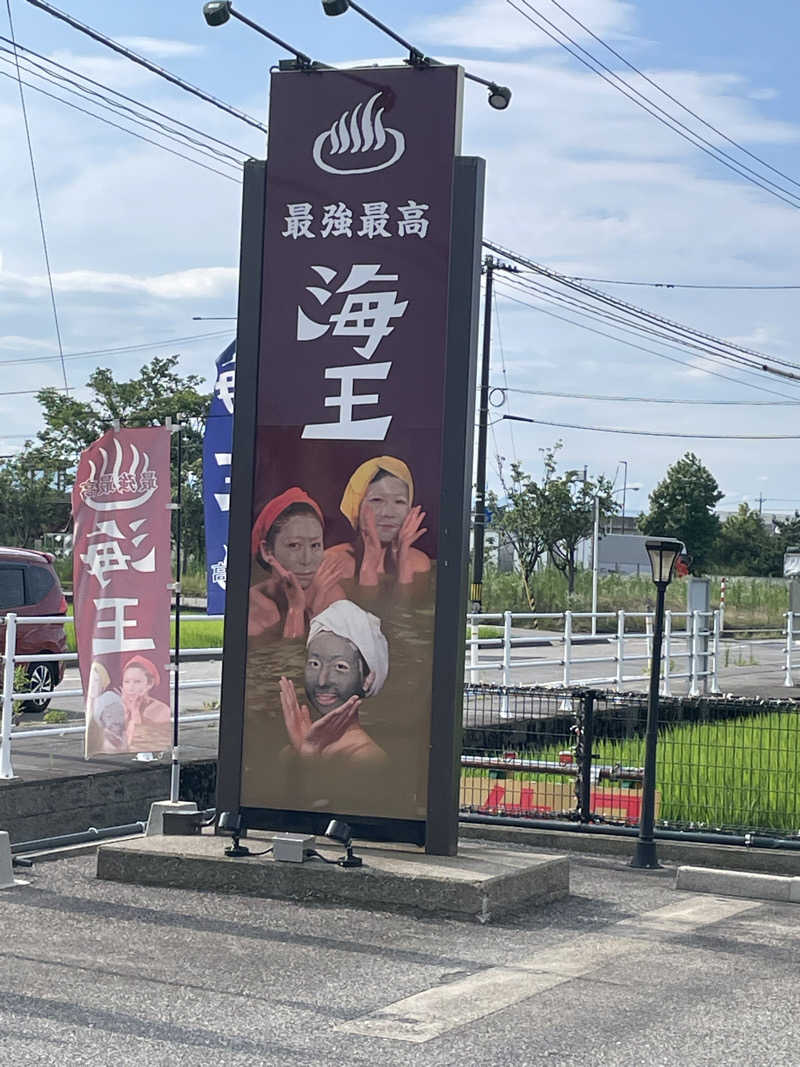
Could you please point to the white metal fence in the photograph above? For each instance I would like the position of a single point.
(11, 660)
(568, 655)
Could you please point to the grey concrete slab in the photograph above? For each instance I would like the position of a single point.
(482, 882)
(738, 884)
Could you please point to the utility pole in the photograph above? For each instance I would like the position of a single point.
(760, 502)
(479, 525)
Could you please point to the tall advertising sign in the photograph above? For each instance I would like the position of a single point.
(122, 573)
(346, 551)
(217, 443)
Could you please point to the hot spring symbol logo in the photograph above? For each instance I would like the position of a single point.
(359, 138)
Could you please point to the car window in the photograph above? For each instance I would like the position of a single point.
(40, 582)
(12, 588)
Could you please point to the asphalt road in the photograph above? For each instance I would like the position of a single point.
(626, 971)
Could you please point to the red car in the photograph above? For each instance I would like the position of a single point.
(29, 586)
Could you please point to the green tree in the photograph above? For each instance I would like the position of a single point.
(746, 546)
(518, 522)
(158, 392)
(552, 516)
(566, 512)
(34, 501)
(682, 505)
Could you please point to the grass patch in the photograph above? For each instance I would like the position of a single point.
(738, 774)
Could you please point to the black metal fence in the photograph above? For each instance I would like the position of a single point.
(724, 765)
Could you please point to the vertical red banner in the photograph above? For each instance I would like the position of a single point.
(121, 574)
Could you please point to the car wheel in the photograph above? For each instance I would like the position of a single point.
(40, 681)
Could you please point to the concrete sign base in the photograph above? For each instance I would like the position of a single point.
(481, 882)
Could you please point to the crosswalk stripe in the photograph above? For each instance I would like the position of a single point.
(436, 1011)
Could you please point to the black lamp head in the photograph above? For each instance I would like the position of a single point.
(335, 7)
(499, 97)
(230, 823)
(217, 12)
(339, 831)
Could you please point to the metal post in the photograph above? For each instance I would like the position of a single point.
(175, 769)
(667, 688)
(479, 524)
(6, 769)
(595, 544)
(715, 653)
(474, 658)
(694, 686)
(506, 662)
(584, 754)
(645, 854)
(788, 680)
(620, 647)
(624, 462)
(567, 647)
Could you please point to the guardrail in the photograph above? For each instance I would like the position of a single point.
(694, 646)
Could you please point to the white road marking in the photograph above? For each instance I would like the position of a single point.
(433, 1012)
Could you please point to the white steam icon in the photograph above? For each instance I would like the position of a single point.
(361, 133)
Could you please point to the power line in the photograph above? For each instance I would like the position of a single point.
(505, 372)
(671, 336)
(729, 349)
(652, 399)
(682, 285)
(123, 96)
(152, 125)
(122, 350)
(658, 433)
(139, 136)
(147, 64)
(38, 201)
(674, 99)
(694, 138)
(640, 348)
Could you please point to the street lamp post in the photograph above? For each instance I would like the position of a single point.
(663, 553)
(624, 463)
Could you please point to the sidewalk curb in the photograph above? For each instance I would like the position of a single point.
(738, 884)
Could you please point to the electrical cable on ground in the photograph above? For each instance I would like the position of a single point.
(38, 202)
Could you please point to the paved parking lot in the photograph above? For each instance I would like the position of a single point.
(624, 971)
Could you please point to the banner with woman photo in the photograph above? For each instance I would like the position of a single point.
(121, 578)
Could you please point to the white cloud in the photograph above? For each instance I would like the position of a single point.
(160, 48)
(205, 282)
(495, 24)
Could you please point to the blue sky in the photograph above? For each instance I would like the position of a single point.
(578, 179)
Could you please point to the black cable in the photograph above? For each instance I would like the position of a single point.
(115, 46)
(681, 285)
(669, 96)
(658, 433)
(132, 133)
(38, 202)
(633, 309)
(693, 138)
(264, 853)
(651, 399)
(640, 348)
(124, 349)
(63, 83)
(312, 853)
(672, 336)
(130, 99)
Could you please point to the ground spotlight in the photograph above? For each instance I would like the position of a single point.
(499, 97)
(217, 12)
(231, 824)
(341, 832)
(335, 7)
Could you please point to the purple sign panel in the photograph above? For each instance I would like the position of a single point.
(347, 483)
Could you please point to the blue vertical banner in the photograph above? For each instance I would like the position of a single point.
(217, 444)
